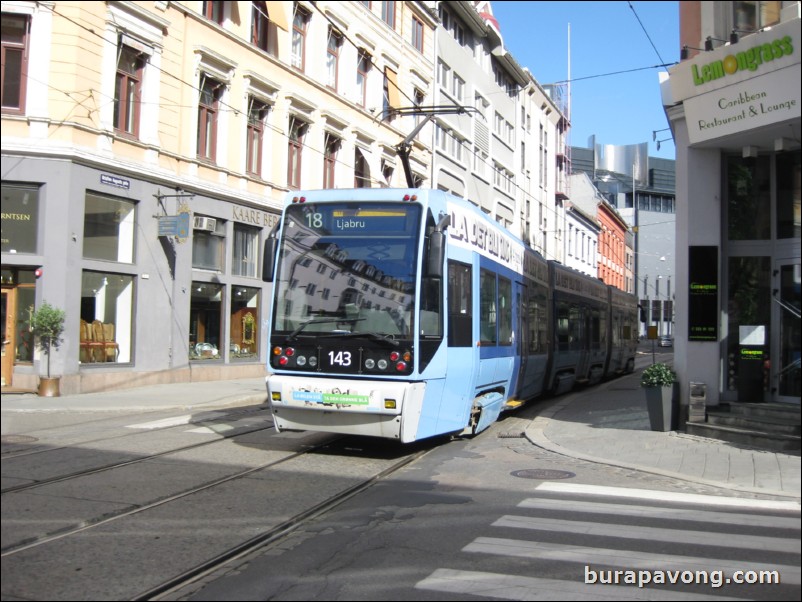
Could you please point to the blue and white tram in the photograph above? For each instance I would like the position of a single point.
(406, 314)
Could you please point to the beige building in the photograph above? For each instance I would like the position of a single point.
(146, 148)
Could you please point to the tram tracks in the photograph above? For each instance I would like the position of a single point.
(301, 477)
(111, 466)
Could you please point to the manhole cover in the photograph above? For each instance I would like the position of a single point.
(18, 439)
(539, 473)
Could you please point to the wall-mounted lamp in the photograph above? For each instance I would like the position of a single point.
(683, 53)
(750, 152)
(655, 132)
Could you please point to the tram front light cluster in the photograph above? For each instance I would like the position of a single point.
(286, 356)
(299, 199)
(397, 360)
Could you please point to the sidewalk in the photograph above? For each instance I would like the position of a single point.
(608, 425)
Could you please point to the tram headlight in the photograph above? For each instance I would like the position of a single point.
(312, 361)
(383, 364)
(300, 360)
(370, 364)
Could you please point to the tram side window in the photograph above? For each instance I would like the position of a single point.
(460, 305)
(488, 308)
(563, 330)
(537, 322)
(431, 323)
(504, 311)
(575, 326)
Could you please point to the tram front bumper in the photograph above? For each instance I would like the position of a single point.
(377, 408)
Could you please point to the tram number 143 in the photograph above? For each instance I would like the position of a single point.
(340, 358)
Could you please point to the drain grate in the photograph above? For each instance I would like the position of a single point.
(542, 474)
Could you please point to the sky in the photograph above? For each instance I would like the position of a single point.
(606, 38)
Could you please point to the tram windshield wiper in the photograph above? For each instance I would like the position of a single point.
(374, 336)
(303, 325)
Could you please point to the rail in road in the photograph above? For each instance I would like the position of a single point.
(96, 522)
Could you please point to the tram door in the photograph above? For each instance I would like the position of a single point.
(785, 352)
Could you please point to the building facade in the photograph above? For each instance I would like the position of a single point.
(146, 150)
(621, 174)
(147, 147)
(734, 109)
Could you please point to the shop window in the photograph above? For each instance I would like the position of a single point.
(20, 218)
(109, 225)
(749, 198)
(19, 296)
(205, 321)
(208, 243)
(107, 302)
(244, 326)
(789, 196)
(246, 251)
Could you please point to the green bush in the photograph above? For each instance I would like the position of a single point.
(47, 325)
(658, 375)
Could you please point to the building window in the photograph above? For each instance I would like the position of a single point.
(361, 170)
(245, 254)
(417, 34)
(388, 13)
(752, 16)
(107, 304)
(330, 160)
(749, 196)
(214, 11)
(15, 62)
(20, 218)
(208, 243)
(296, 143)
(362, 69)
(264, 33)
(205, 321)
(109, 226)
(257, 113)
(299, 25)
(128, 91)
(333, 58)
(244, 324)
(208, 108)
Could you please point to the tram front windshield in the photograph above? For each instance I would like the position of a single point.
(347, 268)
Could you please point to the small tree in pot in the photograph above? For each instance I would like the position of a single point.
(658, 381)
(47, 326)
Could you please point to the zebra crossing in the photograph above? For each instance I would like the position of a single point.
(698, 544)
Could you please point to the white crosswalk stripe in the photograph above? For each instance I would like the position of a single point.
(581, 513)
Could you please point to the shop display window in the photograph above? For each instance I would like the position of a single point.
(205, 323)
(109, 226)
(106, 329)
(244, 326)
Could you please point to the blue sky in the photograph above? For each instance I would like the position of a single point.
(606, 37)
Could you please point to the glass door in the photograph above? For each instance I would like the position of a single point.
(7, 324)
(786, 385)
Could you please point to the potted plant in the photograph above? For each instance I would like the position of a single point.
(658, 382)
(47, 326)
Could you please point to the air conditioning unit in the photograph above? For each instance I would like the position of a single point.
(205, 223)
